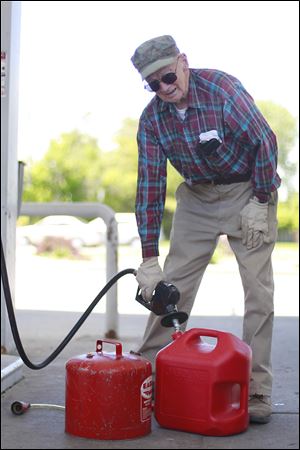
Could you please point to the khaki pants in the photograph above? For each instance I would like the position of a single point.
(203, 213)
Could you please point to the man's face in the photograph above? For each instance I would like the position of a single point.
(177, 91)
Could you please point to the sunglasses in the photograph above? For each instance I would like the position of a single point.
(168, 78)
(154, 85)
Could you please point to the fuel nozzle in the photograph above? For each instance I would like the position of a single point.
(164, 303)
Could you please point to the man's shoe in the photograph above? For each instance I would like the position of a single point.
(259, 408)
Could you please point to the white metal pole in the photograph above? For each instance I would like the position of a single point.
(86, 209)
(10, 55)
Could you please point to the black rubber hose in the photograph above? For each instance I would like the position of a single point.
(13, 323)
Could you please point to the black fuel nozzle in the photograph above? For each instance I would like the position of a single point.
(163, 303)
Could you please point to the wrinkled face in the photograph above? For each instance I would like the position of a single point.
(177, 91)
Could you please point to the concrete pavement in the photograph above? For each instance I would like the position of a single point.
(47, 311)
(42, 332)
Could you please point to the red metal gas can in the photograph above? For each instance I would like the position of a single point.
(203, 388)
(108, 394)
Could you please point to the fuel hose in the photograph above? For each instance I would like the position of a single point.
(66, 340)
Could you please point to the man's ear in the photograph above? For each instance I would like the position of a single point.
(185, 61)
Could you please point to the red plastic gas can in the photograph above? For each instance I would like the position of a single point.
(203, 388)
(108, 394)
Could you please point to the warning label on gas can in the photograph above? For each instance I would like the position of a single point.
(146, 399)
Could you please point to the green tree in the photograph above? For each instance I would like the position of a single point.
(120, 169)
(75, 169)
(284, 126)
(71, 170)
(120, 174)
(288, 217)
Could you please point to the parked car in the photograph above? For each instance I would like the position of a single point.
(127, 228)
(71, 228)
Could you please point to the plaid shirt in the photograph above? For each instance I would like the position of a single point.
(216, 101)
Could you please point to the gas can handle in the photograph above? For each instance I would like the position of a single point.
(198, 332)
(99, 346)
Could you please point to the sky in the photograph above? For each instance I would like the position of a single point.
(76, 73)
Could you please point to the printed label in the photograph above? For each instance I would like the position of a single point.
(3, 74)
(146, 399)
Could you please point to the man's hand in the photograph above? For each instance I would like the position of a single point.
(254, 223)
(148, 275)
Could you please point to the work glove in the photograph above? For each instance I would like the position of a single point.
(148, 275)
(206, 148)
(254, 224)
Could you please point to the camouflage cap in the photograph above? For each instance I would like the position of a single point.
(154, 54)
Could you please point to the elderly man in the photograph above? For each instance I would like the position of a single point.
(206, 124)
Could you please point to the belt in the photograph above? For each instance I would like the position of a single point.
(237, 178)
